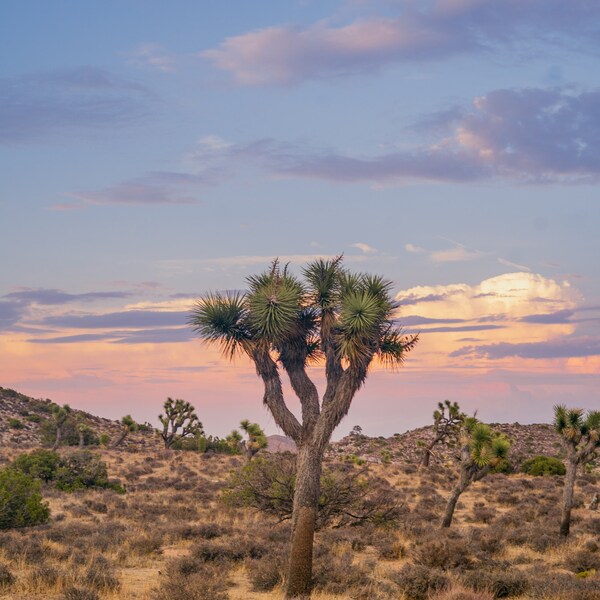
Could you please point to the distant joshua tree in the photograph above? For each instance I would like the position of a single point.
(60, 416)
(179, 414)
(580, 435)
(128, 425)
(82, 429)
(447, 421)
(481, 449)
(257, 440)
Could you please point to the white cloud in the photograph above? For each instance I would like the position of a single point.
(365, 248)
(414, 249)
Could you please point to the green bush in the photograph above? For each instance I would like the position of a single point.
(33, 418)
(15, 424)
(39, 464)
(70, 433)
(543, 465)
(81, 470)
(21, 503)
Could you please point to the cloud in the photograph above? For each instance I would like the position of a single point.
(152, 56)
(414, 249)
(411, 320)
(459, 254)
(128, 319)
(364, 248)
(37, 106)
(566, 347)
(143, 336)
(10, 313)
(438, 29)
(513, 265)
(54, 296)
(560, 316)
(528, 135)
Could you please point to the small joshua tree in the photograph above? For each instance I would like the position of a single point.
(83, 429)
(128, 425)
(257, 440)
(481, 449)
(179, 414)
(447, 420)
(580, 435)
(60, 416)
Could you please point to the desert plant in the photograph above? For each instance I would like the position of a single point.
(481, 449)
(21, 503)
(580, 434)
(257, 440)
(83, 469)
(15, 424)
(39, 464)
(60, 415)
(128, 425)
(179, 414)
(447, 420)
(282, 322)
(347, 495)
(543, 465)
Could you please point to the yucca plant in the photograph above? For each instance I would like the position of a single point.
(481, 449)
(128, 425)
(257, 440)
(179, 414)
(343, 320)
(60, 416)
(580, 434)
(447, 420)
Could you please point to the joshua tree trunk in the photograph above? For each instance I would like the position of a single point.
(451, 506)
(306, 503)
(81, 439)
(58, 439)
(565, 523)
(428, 451)
(121, 438)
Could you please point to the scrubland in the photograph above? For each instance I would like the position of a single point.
(171, 537)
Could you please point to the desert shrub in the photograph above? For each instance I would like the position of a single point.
(77, 593)
(101, 576)
(33, 418)
(388, 548)
(442, 552)
(267, 572)
(460, 593)
(15, 424)
(6, 577)
(39, 464)
(21, 503)
(543, 465)
(418, 582)
(501, 584)
(234, 549)
(582, 560)
(43, 575)
(483, 514)
(502, 466)
(189, 579)
(334, 572)
(83, 469)
(348, 495)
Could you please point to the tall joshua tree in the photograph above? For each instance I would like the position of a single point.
(179, 414)
(257, 440)
(481, 449)
(128, 425)
(282, 324)
(447, 420)
(60, 416)
(580, 435)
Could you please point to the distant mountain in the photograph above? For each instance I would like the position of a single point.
(281, 443)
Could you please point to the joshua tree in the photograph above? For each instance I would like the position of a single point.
(447, 420)
(257, 440)
(179, 415)
(60, 415)
(128, 426)
(481, 449)
(82, 429)
(580, 435)
(281, 323)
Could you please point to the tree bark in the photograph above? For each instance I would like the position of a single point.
(58, 439)
(81, 439)
(121, 438)
(451, 506)
(304, 517)
(565, 522)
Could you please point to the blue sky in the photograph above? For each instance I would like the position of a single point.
(151, 152)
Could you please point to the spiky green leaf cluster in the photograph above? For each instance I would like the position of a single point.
(354, 311)
(575, 426)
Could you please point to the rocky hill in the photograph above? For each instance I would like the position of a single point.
(24, 423)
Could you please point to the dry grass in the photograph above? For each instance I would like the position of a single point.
(170, 537)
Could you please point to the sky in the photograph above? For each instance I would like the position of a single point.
(151, 152)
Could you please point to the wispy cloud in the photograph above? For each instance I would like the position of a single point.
(151, 56)
(414, 249)
(513, 265)
(364, 248)
(54, 296)
(80, 99)
(285, 55)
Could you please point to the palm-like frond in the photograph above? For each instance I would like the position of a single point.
(223, 319)
(323, 281)
(393, 346)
